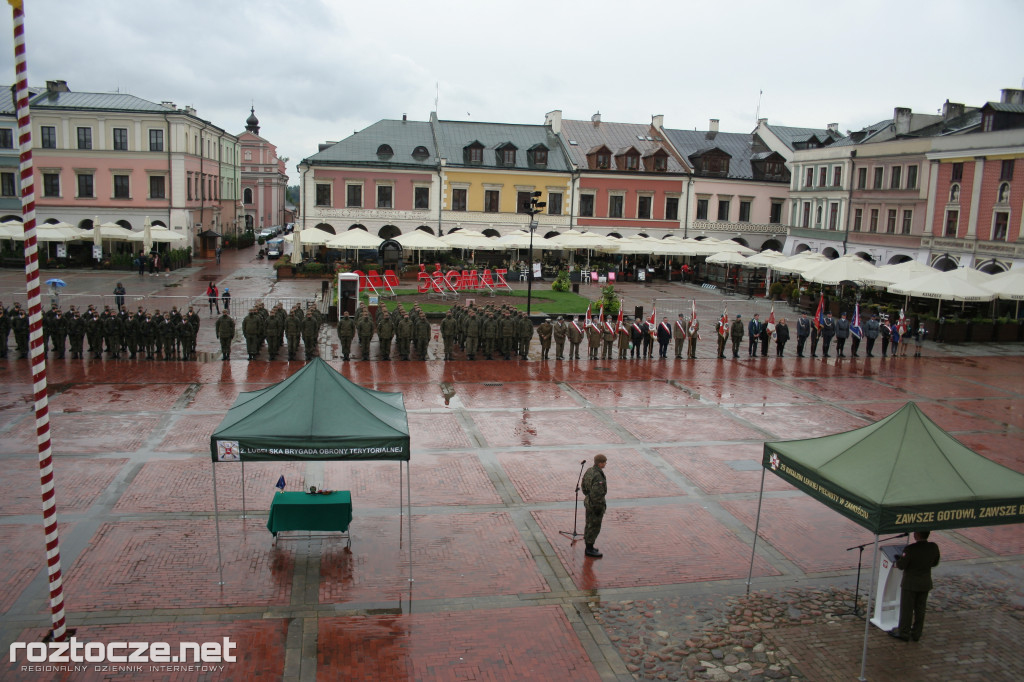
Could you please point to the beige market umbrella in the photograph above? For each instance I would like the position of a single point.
(353, 239)
(765, 259)
(418, 240)
(1007, 285)
(470, 239)
(520, 239)
(962, 284)
(899, 273)
(313, 236)
(727, 258)
(800, 263)
(849, 268)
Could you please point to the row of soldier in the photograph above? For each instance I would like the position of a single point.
(274, 328)
(117, 333)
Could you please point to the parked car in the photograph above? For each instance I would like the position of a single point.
(275, 247)
(267, 233)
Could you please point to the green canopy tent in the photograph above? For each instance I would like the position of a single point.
(902, 473)
(315, 414)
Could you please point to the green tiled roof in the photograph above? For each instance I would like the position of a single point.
(454, 136)
(404, 137)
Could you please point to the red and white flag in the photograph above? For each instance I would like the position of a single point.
(587, 320)
(693, 316)
(901, 324)
(618, 320)
(771, 321)
(653, 317)
(723, 325)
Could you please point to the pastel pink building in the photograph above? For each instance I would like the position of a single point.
(264, 179)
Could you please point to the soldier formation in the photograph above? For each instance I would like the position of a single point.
(117, 332)
(296, 330)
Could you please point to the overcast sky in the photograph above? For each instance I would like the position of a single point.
(318, 70)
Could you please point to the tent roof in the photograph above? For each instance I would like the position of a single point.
(902, 473)
(315, 414)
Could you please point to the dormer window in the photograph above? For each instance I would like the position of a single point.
(660, 163)
(385, 151)
(537, 155)
(627, 158)
(604, 160)
(420, 153)
(656, 160)
(506, 154)
(599, 158)
(473, 152)
(632, 161)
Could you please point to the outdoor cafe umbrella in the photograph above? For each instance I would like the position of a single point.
(1009, 286)
(418, 241)
(470, 239)
(849, 268)
(728, 258)
(591, 241)
(313, 236)
(520, 239)
(962, 284)
(899, 272)
(157, 234)
(800, 263)
(353, 239)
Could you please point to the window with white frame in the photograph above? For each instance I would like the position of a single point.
(323, 194)
(912, 177)
(122, 187)
(952, 223)
(51, 184)
(353, 195)
(86, 185)
(385, 196)
(121, 139)
(1000, 225)
(421, 197)
(615, 205)
(554, 203)
(908, 221)
(643, 206)
(896, 177)
(858, 216)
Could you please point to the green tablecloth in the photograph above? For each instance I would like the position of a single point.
(302, 511)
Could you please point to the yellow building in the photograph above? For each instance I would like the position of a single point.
(490, 170)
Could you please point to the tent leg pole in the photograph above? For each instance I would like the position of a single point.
(408, 500)
(401, 504)
(757, 526)
(867, 612)
(216, 523)
(243, 492)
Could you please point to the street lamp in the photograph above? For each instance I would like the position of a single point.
(535, 207)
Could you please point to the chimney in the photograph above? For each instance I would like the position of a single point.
(762, 122)
(167, 104)
(713, 125)
(326, 145)
(1012, 96)
(832, 127)
(62, 86)
(596, 119)
(658, 121)
(554, 119)
(951, 110)
(404, 118)
(901, 120)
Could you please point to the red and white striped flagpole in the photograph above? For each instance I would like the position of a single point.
(35, 316)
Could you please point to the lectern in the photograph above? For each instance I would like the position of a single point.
(887, 598)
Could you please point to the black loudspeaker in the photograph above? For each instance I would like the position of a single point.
(638, 312)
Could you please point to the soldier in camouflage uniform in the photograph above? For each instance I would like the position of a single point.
(346, 332)
(421, 333)
(472, 329)
(575, 333)
(293, 330)
(595, 489)
(225, 330)
(544, 332)
(593, 340)
(623, 336)
(365, 329)
(251, 331)
(561, 330)
(404, 336)
(449, 331)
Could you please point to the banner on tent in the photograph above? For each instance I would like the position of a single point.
(235, 451)
(898, 519)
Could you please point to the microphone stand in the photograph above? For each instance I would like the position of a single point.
(860, 556)
(574, 536)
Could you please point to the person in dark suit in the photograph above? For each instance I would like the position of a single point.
(828, 331)
(916, 562)
(664, 337)
(753, 335)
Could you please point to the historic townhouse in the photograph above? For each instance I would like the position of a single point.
(10, 197)
(975, 211)
(384, 179)
(822, 183)
(264, 179)
(786, 139)
(889, 197)
(628, 179)
(490, 170)
(737, 189)
(119, 158)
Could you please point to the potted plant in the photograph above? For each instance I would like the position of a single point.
(1007, 329)
(982, 329)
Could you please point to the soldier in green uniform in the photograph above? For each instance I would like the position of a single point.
(365, 329)
(508, 334)
(560, 331)
(736, 335)
(5, 331)
(623, 336)
(293, 330)
(607, 338)
(693, 334)
(595, 489)
(58, 333)
(404, 336)
(346, 332)
(593, 340)
(525, 334)
(489, 332)
(225, 330)
(385, 333)
(575, 334)
(679, 335)
(168, 335)
(251, 331)
(310, 332)
(19, 325)
(421, 334)
(544, 333)
(449, 330)
(76, 333)
(112, 333)
(275, 328)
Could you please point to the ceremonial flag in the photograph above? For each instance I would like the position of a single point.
(819, 315)
(901, 324)
(723, 328)
(618, 321)
(770, 326)
(693, 318)
(587, 319)
(600, 315)
(652, 320)
(855, 325)
(280, 483)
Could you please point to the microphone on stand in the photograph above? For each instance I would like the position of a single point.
(583, 462)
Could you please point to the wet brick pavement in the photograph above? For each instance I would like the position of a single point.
(498, 593)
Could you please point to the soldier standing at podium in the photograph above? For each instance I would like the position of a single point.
(916, 562)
